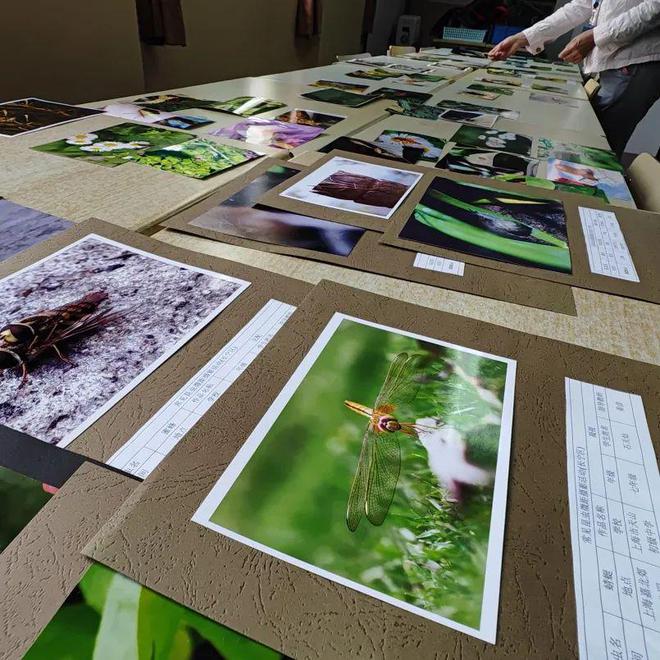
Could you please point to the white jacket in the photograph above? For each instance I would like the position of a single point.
(625, 31)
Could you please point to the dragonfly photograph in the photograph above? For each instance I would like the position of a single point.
(382, 465)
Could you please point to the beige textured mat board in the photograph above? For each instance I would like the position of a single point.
(147, 539)
(367, 254)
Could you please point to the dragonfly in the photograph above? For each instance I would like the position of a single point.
(379, 464)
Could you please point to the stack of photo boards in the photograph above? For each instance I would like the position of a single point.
(203, 458)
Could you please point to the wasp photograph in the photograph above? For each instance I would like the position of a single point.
(382, 465)
(82, 327)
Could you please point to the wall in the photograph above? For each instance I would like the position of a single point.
(69, 50)
(341, 30)
(385, 20)
(237, 38)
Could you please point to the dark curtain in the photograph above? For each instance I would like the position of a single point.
(161, 22)
(308, 18)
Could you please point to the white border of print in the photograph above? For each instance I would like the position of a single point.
(492, 572)
(72, 435)
(59, 123)
(324, 171)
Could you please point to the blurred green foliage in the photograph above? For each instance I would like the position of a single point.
(20, 500)
(108, 617)
(292, 494)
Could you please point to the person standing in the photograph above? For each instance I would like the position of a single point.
(621, 44)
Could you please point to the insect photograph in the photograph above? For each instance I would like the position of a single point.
(380, 468)
(82, 327)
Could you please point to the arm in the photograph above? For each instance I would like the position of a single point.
(533, 38)
(628, 26)
(564, 19)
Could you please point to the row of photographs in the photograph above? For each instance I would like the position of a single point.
(328, 209)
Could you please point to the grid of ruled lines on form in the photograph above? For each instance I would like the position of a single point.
(606, 246)
(614, 491)
(147, 448)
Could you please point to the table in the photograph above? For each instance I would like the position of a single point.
(138, 198)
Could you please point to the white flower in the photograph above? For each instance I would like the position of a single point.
(135, 145)
(82, 138)
(103, 146)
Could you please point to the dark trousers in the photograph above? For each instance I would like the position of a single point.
(624, 98)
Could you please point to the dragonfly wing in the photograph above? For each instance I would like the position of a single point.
(384, 468)
(399, 383)
(357, 496)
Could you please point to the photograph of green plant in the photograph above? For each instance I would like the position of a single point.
(21, 498)
(114, 145)
(538, 182)
(576, 153)
(379, 472)
(491, 223)
(109, 616)
(247, 106)
(197, 158)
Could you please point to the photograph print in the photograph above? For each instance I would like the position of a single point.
(473, 107)
(107, 615)
(486, 96)
(611, 183)
(269, 133)
(356, 186)
(114, 145)
(355, 88)
(355, 145)
(31, 114)
(487, 163)
(246, 106)
(310, 118)
(491, 223)
(420, 147)
(22, 227)
(555, 100)
(173, 102)
(240, 216)
(470, 136)
(398, 490)
(198, 159)
(21, 498)
(85, 325)
(575, 153)
(340, 97)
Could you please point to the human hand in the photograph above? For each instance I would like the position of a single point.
(577, 49)
(508, 47)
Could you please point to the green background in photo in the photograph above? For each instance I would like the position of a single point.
(109, 616)
(21, 498)
(292, 494)
(126, 133)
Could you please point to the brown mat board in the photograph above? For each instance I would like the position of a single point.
(372, 256)
(282, 605)
(44, 563)
(641, 230)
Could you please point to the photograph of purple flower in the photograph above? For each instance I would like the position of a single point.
(269, 132)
